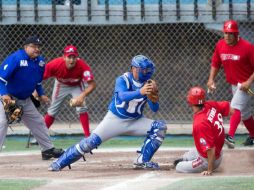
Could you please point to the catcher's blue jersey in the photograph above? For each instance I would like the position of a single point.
(20, 75)
(127, 102)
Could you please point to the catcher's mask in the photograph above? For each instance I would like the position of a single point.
(145, 67)
(196, 96)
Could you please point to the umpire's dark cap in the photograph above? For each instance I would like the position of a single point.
(33, 40)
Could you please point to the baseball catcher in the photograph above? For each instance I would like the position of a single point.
(13, 111)
(133, 90)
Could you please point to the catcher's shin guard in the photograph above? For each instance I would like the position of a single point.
(153, 141)
(75, 152)
(70, 156)
(88, 144)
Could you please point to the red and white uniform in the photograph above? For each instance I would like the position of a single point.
(71, 77)
(208, 132)
(238, 64)
(237, 60)
(68, 82)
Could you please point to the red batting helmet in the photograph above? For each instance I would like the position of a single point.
(230, 26)
(196, 96)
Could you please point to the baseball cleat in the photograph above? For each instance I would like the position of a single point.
(177, 161)
(249, 141)
(54, 167)
(229, 141)
(52, 153)
(34, 142)
(146, 165)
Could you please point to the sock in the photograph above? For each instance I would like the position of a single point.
(249, 124)
(84, 119)
(235, 119)
(49, 120)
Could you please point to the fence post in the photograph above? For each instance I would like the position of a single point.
(89, 10)
(178, 16)
(248, 9)
(214, 9)
(1, 10)
(230, 8)
(124, 10)
(107, 9)
(54, 10)
(36, 16)
(142, 4)
(71, 10)
(160, 10)
(18, 10)
(196, 9)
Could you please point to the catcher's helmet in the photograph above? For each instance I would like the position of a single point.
(145, 65)
(230, 26)
(196, 96)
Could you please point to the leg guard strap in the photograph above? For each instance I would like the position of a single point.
(88, 144)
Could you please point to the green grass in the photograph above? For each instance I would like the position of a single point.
(13, 184)
(18, 143)
(213, 183)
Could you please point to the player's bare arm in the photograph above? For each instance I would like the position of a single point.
(45, 99)
(81, 98)
(211, 159)
(245, 86)
(211, 83)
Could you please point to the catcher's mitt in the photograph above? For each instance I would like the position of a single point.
(13, 112)
(154, 95)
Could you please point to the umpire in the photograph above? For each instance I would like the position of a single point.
(20, 74)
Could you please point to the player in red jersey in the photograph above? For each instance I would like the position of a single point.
(236, 55)
(73, 77)
(208, 134)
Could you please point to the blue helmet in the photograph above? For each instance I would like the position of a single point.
(145, 65)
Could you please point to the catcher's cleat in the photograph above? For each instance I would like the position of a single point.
(146, 165)
(249, 141)
(54, 167)
(229, 141)
(51, 153)
(177, 161)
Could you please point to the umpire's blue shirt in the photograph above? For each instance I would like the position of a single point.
(20, 75)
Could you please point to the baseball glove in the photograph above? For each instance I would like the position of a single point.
(13, 112)
(154, 95)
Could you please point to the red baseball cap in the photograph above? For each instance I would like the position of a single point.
(70, 50)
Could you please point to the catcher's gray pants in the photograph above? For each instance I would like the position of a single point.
(60, 92)
(194, 163)
(242, 101)
(112, 126)
(32, 119)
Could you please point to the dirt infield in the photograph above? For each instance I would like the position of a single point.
(112, 169)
